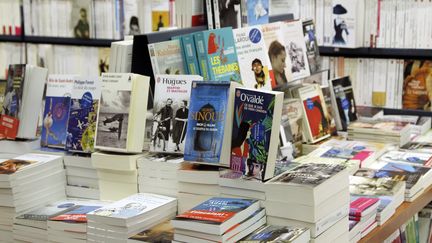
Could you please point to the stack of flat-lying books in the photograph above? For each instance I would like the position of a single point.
(363, 212)
(81, 176)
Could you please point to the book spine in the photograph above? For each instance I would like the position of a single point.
(201, 53)
(210, 21)
(216, 14)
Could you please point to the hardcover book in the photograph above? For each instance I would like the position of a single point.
(316, 120)
(207, 121)
(343, 101)
(310, 174)
(170, 112)
(255, 67)
(166, 57)
(57, 109)
(83, 115)
(296, 49)
(255, 133)
(273, 233)
(120, 121)
(312, 51)
(218, 50)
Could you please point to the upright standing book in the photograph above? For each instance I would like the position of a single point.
(254, 12)
(342, 95)
(312, 50)
(296, 49)
(56, 112)
(83, 114)
(255, 133)
(208, 136)
(166, 57)
(292, 125)
(121, 122)
(255, 67)
(170, 112)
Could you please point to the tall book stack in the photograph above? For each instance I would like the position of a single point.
(363, 212)
(196, 183)
(32, 226)
(28, 182)
(390, 192)
(219, 220)
(81, 177)
(380, 131)
(117, 174)
(158, 174)
(71, 225)
(320, 196)
(120, 220)
(162, 232)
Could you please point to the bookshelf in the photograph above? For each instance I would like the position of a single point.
(57, 40)
(376, 52)
(10, 38)
(402, 215)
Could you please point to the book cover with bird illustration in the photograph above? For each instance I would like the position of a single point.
(255, 132)
(56, 112)
(83, 115)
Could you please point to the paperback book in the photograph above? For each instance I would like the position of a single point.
(255, 67)
(312, 51)
(81, 19)
(255, 132)
(254, 12)
(13, 167)
(374, 186)
(170, 112)
(411, 157)
(273, 233)
(415, 89)
(83, 115)
(161, 233)
(3, 84)
(166, 57)
(343, 101)
(77, 214)
(57, 109)
(292, 125)
(295, 47)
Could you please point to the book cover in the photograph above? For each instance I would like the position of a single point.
(309, 174)
(170, 112)
(344, 101)
(412, 157)
(255, 67)
(57, 109)
(77, 215)
(410, 178)
(273, 233)
(134, 205)
(315, 112)
(48, 211)
(166, 57)
(296, 49)
(346, 23)
(24, 162)
(216, 210)
(190, 52)
(207, 116)
(161, 233)
(160, 14)
(81, 19)
(274, 39)
(358, 205)
(114, 110)
(221, 54)
(415, 94)
(254, 140)
(374, 186)
(312, 51)
(104, 59)
(83, 115)
(14, 90)
(292, 124)
(227, 13)
(355, 153)
(3, 84)
(418, 146)
(257, 12)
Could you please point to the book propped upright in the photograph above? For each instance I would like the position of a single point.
(170, 112)
(255, 132)
(121, 122)
(342, 95)
(83, 114)
(57, 109)
(23, 96)
(166, 57)
(208, 137)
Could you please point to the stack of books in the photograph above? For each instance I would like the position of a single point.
(219, 220)
(71, 225)
(273, 233)
(390, 192)
(362, 217)
(13, 148)
(380, 131)
(117, 174)
(319, 194)
(163, 233)
(158, 174)
(33, 227)
(120, 220)
(81, 176)
(28, 182)
(235, 184)
(197, 183)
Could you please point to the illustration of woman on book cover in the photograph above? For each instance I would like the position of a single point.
(339, 24)
(277, 55)
(12, 165)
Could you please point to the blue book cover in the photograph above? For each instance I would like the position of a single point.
(257, 12)
(254, 140)
(217, 210)
(83, 115)
(56, 112)
(206, 119)
(190, 52)
(221, 54)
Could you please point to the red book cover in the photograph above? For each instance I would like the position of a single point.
(315, 116)
(8, 127)
(360, 205)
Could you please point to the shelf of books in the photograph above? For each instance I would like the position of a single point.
(68, 41)
(402, 215)
(397, 53)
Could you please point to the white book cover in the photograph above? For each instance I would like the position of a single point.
(81, 19)
(13, 167)
(255, 67)
(295, 46)
(166, 57)
(170, 112)
(346, 21)
(132, 206)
